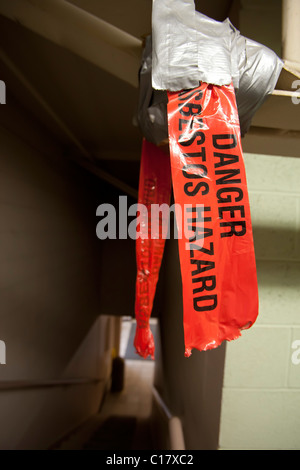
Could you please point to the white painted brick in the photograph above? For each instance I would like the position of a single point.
(260, 420)
(261, 399)
(258, 359)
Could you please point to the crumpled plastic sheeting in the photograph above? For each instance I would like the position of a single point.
(152, 107)
(259, 73)
(222, 56)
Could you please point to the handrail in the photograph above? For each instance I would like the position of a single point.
(11, 385)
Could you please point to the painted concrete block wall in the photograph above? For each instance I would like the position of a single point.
(261, 21)
(261, 390)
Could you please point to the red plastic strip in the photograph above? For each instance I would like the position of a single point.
(154, 188)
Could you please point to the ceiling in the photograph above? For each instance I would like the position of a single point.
(95, 106)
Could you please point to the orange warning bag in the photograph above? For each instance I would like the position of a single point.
(220, 295)
(154, 188)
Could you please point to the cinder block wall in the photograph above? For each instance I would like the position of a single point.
(261, 391)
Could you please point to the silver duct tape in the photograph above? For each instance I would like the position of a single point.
(214, 50)
(175, 49)
(222, 55)
(188, 47)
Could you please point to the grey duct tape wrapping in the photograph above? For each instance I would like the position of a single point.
(258, 77)
(223, 55)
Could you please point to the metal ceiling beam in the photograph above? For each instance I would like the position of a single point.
(291, 31)
(87, 36)
(38, 97)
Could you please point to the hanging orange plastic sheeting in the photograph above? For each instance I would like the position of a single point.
(154, 190)
(220, 296)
